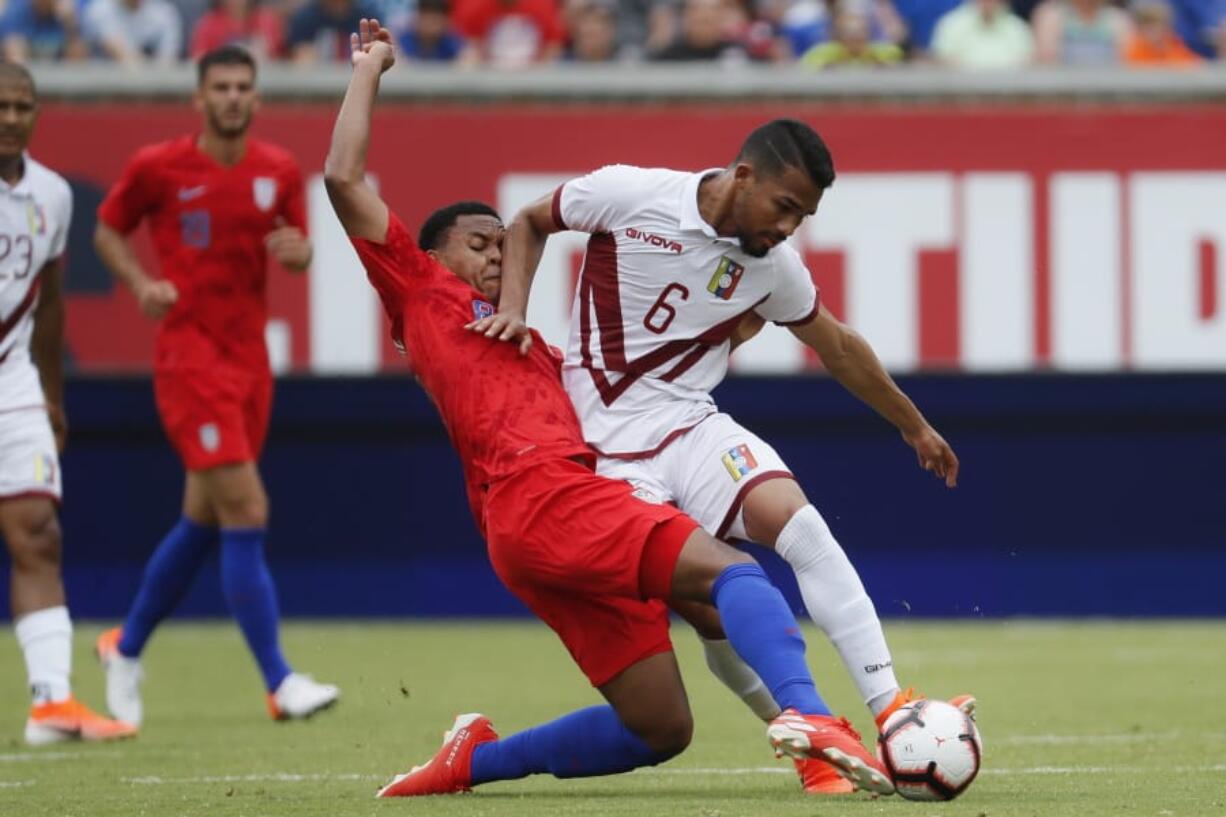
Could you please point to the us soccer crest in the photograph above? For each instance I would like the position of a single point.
(264, 189)
(727, 276)
(482, 309)
(739, 461)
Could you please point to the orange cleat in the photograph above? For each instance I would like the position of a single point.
(449, 771)
(832, 740)
(965, 703)
(819, 777)
(70, 719)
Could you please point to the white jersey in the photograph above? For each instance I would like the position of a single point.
(658, 298)
(34, 218)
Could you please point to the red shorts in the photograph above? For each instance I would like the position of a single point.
(214, 417)
(590, 559)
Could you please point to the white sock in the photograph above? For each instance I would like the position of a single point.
(835, 599)
(739, 677)
(45, 637)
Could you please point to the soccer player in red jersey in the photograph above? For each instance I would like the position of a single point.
(218, 204)
(593, 561)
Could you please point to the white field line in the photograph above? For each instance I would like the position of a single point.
(16, 784)
(22, 757)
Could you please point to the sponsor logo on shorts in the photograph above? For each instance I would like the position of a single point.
(727, 276)
(264, 190)
(44, 469)
(482, 309)
(739, 461)
(210, 437)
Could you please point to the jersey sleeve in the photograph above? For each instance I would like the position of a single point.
(395, 267)
(600, 201)
(795, 298)
(132, 197)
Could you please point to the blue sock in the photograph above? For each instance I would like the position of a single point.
(168, 575)
(765, 634)
(249, 591)
(586, 743)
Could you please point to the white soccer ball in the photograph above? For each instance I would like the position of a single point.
(931, 749)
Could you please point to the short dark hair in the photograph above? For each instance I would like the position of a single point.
(434, 231)
(17, 71)
(786, 143)
(225, 55)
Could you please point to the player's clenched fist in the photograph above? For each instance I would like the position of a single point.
(289, 245)
(157, 297)
(372, 42)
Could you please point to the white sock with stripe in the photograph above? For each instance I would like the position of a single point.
(836, 600)
(45, 637)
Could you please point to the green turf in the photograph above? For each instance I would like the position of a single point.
(1079, 719)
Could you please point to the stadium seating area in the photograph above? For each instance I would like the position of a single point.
(821, 34)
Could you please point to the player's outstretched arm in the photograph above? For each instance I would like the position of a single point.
(361, 212)
(852, 362)
(47, 345)
(521, 254)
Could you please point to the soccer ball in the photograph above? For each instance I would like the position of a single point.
(931, 749)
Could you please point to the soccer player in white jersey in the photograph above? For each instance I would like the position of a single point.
(677, 264)
(35, 209)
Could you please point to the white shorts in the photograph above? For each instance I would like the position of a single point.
(707, 472)
(29, 465)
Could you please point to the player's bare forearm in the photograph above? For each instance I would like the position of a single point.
(524, 245)
(47, 342)
(852, 362)
(359, 208)
(113, 248)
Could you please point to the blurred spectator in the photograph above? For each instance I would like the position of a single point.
(1218, 34)
(37, 30)
(758, 26)
(804, 24)
(132, 32)
(853, 43)
(983, 34)
(705, 34)
(593, 31)
(1198, 23)
(429, 36)
(921, 17)
(1154, 41)
(510, 33)
(1079, 32)
(319, 31)
(239, 22)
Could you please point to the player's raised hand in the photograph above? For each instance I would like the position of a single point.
(505, 326)
(289, 245)
(934, 454)
(156, 297)
(372, 42)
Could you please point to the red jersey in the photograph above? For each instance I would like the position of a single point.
(504, 412)
(208, 224)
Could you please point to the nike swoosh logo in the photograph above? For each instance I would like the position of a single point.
(189, 193)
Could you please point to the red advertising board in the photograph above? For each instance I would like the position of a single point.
(975, 238)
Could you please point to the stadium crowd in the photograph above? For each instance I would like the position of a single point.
(973, 34)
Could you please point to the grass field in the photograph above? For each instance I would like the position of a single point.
(1079, 719)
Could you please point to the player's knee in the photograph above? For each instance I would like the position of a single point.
(671, 734)
(35, 545)
(243, 511)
